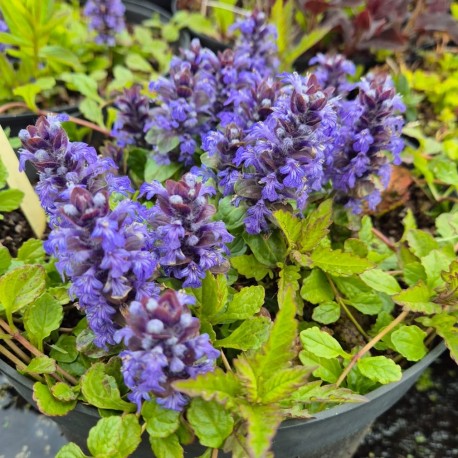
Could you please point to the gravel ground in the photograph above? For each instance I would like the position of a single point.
(423, 425)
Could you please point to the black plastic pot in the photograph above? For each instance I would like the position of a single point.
(136, 12)
(334, 433)
(165, 4)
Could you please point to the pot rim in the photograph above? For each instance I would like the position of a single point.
(412, 371)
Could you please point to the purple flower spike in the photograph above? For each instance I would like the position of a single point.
(106, 17)
(3, 28)
(187, 242)
(133, 116)
(163, 345)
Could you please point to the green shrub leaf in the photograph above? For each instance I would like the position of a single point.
(316, 288)
(380, 369)
(166, 447)
(160, 422)
(337, 263)
(409, 342)
(248, 266)
(321, 343)
(41, 365)
(380, 281)
(250, 335)
(326, 312)
(48, 404)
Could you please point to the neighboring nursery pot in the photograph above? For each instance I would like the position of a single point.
(333, 433)
(136, 12)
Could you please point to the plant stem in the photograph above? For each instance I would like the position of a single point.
(80, 122)
(214, 453)
(346, 309)
(27, 345)
(384, 239)
(225, 362)
(20, 365)
(18, 351)
(369, 345)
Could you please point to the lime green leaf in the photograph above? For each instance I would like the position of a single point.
(338, 263)
(154, 171)
(290, 225)
(231, 215)
(160, 422)
(10, 199)
(263, 422)
(64, 350)
(101, 390)
(60, 293)
(221, 386)
(92, 111)
(380, 369)
(64, 392)
(367, 303)
(381, 281)
(445, 170)
(212, 295)
(408, 341)
(244, 304)
(417, 298)
(29, 91)
(48, 404)
(166, 447)
(31, 251)
(413, 273)
(83, 84)
(21, 286)
(421, 243)
(434, 263)
(41, 318)
(59, 55)
(316, 288)
(283, 384)
(321, 343)
(250, 335)
(5, 259)
(326, 369)
(210, 421)
(326, 312)
(136, 62)
(70, 450)
(115, 437)
(248, 266)
(41, 365)
(316, 226)
(268, 249)
(248, 378)
(288, 285)
(447, 226)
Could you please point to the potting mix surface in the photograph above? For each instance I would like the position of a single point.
(422, 425)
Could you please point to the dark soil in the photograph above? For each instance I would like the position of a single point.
(14, 229)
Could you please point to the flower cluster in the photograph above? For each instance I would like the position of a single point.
(106, 18)
(203, 88)
(61, 164)
(163, 345)
(133, 117)
(104, 253)
(187, 243)
(369, 127)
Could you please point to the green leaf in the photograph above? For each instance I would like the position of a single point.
(413, 273)
(41, 318)
(160, 422)
(263, 422)
(221, 386)
(290, 225)
(288, 285)
(64, 392)
(326, 312)
(316, 226)
(268, 249)
(48, 404)
(83, 84)
(92, 110)
(41, 365)
(244, 304)
(250, 335)
(367, 303)
(321, 343)
(115, 437)
(417, 298)
(20, 287)
(10, 199)
(337, 263)
(381, 281)
(316, 288)
(210, 421)
(447, 225)
(248, 266)
(326, 369)
(59, 55)
(64, 350)
(29, 91)
(161, 173)
(231, 215)
(421, 243)
(70, 450)
(5, 259)
(101, 390)
(434, 264)
(167, 447)
(409, 342)
(380, 369)
(212, 295)
(283, 384)
(136, 62)
(445, 170)
(31, 251)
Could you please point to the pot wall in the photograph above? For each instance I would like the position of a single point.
(334, 433)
